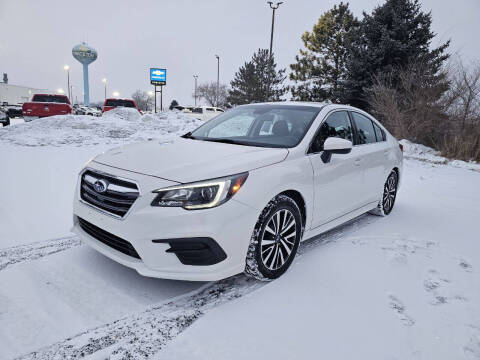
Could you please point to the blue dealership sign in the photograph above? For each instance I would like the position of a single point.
(158, 76)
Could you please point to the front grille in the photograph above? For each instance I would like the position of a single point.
(108, 239)
(115, 196)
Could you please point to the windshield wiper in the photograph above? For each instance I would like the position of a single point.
(226, 141)
(188, 135)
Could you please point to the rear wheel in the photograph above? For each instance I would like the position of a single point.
(389, 195)
(275, 239)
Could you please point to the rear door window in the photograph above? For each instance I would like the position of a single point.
(379, 133)
(365, 130)
(119, 103)
(50, 98)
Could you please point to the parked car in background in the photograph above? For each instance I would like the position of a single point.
(240, 192)
(85, 110)
(4, 118)
(14, 111)
(110, 104)
(205, 112)
(43, 105)
(185, 109)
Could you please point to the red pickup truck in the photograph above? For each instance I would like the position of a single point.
(43, 105)
(110, 104)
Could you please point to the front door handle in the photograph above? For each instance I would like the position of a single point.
(358, 161)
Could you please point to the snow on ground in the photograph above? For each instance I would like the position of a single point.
(115, 127)
(40, 162)
(402, 287)
(427, 154)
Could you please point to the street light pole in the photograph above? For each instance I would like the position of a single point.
(195, 96)
(218, 79)
(273, 7)
(105, 83)
(67, 68)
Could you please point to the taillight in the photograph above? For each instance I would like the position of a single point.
(401, 147)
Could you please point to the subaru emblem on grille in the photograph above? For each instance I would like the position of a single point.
(100, 186)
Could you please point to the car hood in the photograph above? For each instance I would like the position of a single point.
(188, 160)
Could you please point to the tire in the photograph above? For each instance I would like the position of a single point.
(279, 247)
(389, 195)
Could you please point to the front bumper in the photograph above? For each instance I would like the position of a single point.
(151, 230)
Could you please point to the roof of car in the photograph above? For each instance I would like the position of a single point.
(306, 103)
(293, 103)
(117, 99)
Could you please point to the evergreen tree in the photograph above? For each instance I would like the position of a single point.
(257, 81)
(320, 68)
(393, 37)
(173, 104)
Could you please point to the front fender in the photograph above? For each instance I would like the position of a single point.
(265, 183)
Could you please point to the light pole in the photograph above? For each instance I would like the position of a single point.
(67, 69)
(105, 83)
(150, 96)
(273, 7)
(195, 77)
(218, 79)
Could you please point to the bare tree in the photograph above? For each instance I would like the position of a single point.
(143, 100)
(463, 97)
(208, 91)
(411, 109)
(462, 140)
(444, 115)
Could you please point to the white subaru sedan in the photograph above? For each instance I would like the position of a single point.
(239, 193)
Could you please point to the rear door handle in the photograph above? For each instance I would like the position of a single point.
(358, 161)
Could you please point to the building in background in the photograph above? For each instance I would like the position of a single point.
(16, 94)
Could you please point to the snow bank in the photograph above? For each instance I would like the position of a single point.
(116, 127)
(427, 154)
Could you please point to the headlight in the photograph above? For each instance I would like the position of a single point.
(200, 195)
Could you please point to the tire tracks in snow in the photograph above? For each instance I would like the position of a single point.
(37, 250)
(144, 334)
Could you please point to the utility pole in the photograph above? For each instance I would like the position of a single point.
(273, 7)
(195, 96)
(218, 79)
(105, 83)
(67, 69)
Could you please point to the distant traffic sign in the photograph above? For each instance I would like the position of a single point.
(158, 76)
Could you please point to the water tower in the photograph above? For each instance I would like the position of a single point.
(86, 55)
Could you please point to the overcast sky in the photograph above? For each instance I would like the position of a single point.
(181, 35)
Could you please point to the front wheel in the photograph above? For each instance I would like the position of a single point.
(389, 195)
(275, 239)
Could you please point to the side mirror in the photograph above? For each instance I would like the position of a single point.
(334, 145)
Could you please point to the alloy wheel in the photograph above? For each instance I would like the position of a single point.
(389, 193)
(278, 239)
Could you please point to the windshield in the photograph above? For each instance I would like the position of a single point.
(260, 125)
(119, 103)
